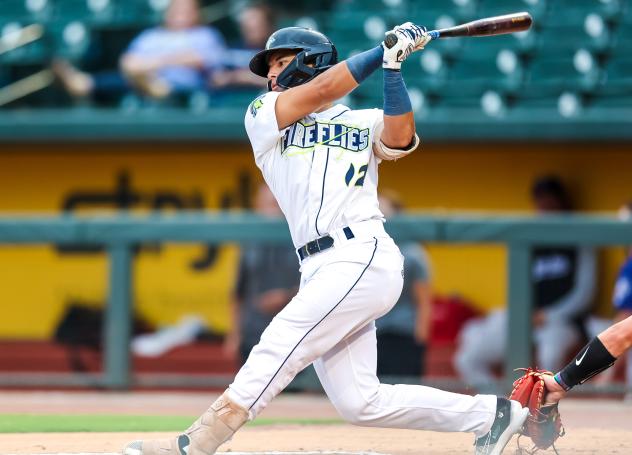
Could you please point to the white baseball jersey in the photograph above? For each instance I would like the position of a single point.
(321, 169)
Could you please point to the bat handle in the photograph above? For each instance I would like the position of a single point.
(391, 38)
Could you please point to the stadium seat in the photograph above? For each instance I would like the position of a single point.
(71, 39)
(489, 46)
(32, 53)
(550, 76)
(26, 10)
(558, 40)
(90, 11)
(576, 10)
(473, 77)
(426, 70)
(536, 8)
(617, 78)
(622, 38)
(385, 7)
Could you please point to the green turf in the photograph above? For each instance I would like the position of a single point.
(28, 423)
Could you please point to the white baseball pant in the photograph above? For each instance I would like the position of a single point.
(330, 322)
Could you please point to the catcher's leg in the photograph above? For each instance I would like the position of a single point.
(347, 373)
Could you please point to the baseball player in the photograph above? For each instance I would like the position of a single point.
(320, 160)
(602, 352)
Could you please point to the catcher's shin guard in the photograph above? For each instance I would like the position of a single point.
(216, 426)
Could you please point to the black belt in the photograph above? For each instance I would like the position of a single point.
(321, 244)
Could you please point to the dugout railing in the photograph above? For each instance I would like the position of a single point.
(120, 234)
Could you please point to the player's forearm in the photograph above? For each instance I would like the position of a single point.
(348, 74)
(338, 81)
(399, 121)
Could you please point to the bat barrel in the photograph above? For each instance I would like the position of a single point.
(497, 25)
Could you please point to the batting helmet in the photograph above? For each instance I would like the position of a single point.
(316, 54)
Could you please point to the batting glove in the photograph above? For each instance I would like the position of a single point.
(417, 32)
(409, 38)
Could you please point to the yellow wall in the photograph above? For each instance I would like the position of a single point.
(37, 282)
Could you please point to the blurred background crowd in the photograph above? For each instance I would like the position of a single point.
(564, 88)
(194, 54)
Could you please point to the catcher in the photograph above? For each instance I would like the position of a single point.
(541, 391)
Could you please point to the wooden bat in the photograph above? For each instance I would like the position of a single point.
(497, 25)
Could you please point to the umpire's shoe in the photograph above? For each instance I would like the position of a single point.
(510, 417)
(216, 426)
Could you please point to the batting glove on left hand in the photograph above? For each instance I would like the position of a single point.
(409, 38)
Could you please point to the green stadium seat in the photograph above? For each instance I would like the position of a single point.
(607, 102)
(385, 7)
(426, 70)
(576, 10)
(622, 39)
(32, 53)
(617, 78)
(473, 77)
(91, 11)
(26, 10)
(563, 40)
(489, 46)
(71, 39)
(537, 8)
(552, 76)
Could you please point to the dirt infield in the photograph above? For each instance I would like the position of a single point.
(593, 427)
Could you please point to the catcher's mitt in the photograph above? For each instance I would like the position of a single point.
(544, 424)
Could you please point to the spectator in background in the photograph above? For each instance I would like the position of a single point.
(403, 332)
(622, 295)
(256, 23)
(267, 279)
(563, 284)
(171, 59)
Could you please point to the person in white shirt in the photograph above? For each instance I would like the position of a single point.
(320, 160)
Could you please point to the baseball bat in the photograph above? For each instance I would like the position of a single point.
(497, 25)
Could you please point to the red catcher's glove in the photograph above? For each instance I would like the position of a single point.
(544, 424)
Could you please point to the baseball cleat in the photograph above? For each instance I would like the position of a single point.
(216, 426)
(510, 417)
(176, 446)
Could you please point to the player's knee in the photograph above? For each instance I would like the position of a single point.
(357, 411)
